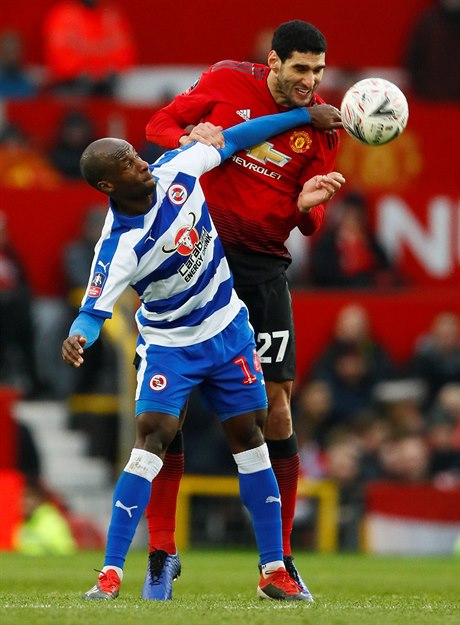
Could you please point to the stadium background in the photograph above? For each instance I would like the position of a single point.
(414, 203)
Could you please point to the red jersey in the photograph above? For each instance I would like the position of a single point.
(252, 196)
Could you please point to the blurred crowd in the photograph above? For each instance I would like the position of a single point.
(360, 418)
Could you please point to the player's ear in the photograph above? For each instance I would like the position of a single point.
(274, 61)
(105, 186)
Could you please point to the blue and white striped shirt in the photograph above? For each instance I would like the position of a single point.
(172, 255)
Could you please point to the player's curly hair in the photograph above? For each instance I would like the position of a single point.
(297, 36)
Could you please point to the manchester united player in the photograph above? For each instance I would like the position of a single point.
(253, 201)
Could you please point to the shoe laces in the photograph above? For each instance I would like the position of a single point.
(282, 579)
(157, 559)
(292, 570)
(108, 581)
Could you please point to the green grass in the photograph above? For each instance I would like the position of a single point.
(218, 588)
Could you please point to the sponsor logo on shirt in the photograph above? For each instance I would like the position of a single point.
(245, 114)
(96, 285)
(300, 141)
(187, 242)
(265, 152)
(239, 160)
(196, 258)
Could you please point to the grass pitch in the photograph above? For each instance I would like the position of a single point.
(218, 588)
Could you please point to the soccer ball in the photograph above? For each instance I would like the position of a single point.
(374, 111)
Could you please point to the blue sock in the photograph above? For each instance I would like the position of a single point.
(260, 494)
(130, 498)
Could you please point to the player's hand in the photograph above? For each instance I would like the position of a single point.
(206, 133)
(325, 117)
(72, 350)
(318, 190)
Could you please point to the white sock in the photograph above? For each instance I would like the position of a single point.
(271, 567)
(117, 570)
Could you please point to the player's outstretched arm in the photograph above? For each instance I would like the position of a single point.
(322, 116)
(256, 130)
(318, 190)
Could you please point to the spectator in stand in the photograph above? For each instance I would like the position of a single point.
(74, 133)
(351, 365)
(436, 357)
(28, 460)
(447, 406)
(400, 403)
(432, 48)
(312, 412)
(342, 465)
(87, 45)
(99, 374)
(371, 430)
(353, 330)
(45, 529)
(78, 255)
(348, 254)
(23, 166)
(18, 363)
(406, 459)
(14, 80)
(351, 385)
(445, 455)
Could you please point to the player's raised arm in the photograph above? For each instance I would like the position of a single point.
(256, 130)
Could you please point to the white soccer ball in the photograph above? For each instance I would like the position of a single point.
(374, 111)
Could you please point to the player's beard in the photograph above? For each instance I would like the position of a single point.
(289, 95)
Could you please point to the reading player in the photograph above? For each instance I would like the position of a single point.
(159, 239)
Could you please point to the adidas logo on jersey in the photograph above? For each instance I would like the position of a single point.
(245, 114)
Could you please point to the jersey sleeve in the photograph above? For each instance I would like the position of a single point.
(112, 270)
(170, 123)
(88, 326)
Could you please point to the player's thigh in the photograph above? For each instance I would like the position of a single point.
(270, 313)
(165, 379)
(235, 384)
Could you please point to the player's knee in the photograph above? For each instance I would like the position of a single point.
(155, 434)
(278, 424)
(243, 434)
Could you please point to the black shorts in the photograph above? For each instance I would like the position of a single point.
(270, 313)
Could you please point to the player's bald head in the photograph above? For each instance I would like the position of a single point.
(100, 157)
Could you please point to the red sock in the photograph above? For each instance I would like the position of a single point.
(286, 471)
(161, 509)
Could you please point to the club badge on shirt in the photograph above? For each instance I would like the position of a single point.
(96, 285)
